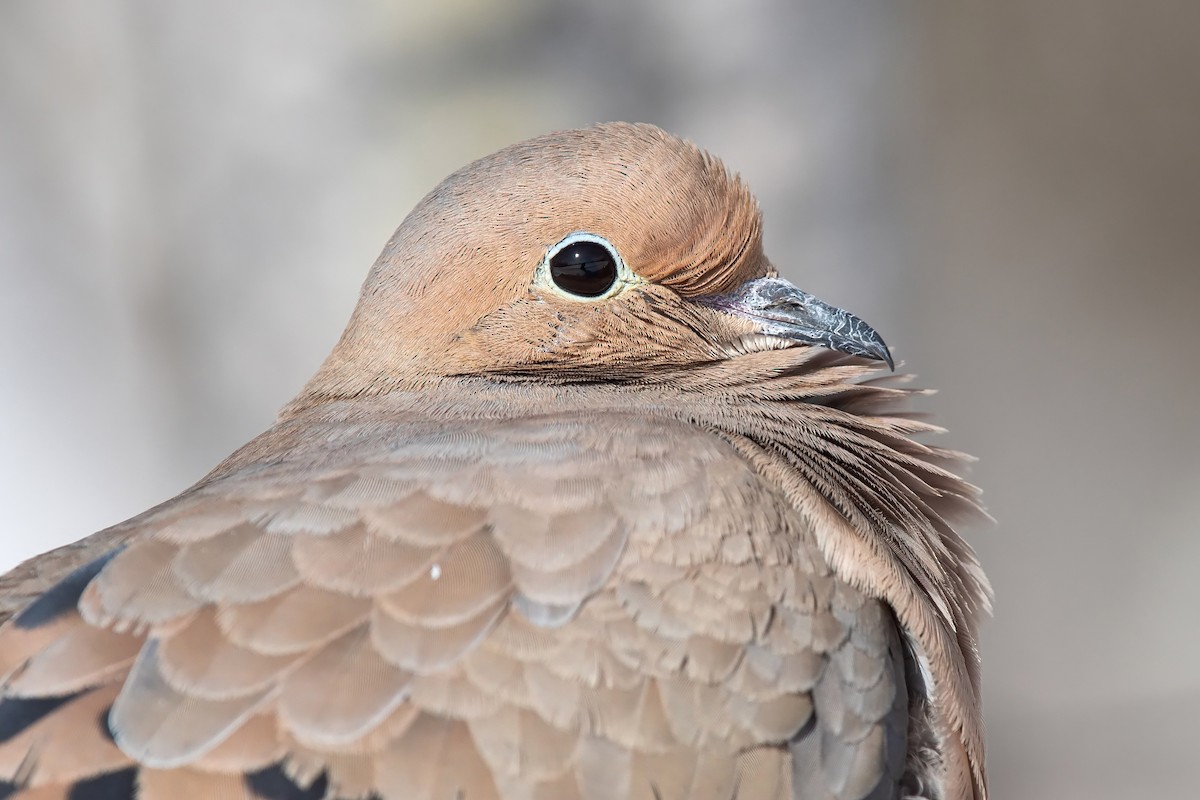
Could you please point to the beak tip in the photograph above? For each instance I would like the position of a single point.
(875, 350)
(880, 352)
(860, 338)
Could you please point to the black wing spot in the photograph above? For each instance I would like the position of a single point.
(273, 783)
(120, 785)
(62, 596)
(18, 713)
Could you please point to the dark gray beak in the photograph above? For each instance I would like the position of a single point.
(781, 309)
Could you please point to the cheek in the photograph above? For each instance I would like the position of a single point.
(550, 334)
(527, 331)
(638, 332)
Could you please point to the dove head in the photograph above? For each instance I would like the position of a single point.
(616, 252)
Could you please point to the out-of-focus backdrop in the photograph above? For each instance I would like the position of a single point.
(191, 193)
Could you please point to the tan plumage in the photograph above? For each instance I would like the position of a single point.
(515, 543)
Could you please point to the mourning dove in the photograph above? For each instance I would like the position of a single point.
(587, 503)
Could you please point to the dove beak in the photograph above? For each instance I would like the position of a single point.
(779, 308)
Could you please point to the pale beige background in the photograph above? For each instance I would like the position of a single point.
(190, 194)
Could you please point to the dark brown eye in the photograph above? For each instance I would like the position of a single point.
(584, 267)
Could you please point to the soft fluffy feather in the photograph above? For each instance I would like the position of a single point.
(507, 544)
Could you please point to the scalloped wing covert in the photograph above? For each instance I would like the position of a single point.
(555, 607)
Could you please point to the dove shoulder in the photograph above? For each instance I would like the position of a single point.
(591, 602)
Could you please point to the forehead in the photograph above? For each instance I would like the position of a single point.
(676, 216)
(673, 211)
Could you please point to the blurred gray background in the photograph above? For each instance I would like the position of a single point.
(191, 193)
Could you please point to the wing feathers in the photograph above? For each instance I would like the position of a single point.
(425, 648)
(472, 576)
(341, 693)
(357, 562)
(162, 727)
(201, 662)
(435, 759)
(82, 657)
(241, 565)
(546, 609)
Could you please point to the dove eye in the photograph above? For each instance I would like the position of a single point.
(584, 265)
